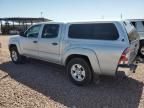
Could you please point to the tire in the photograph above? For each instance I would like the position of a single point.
(141, 49)
(15, 56)
(79, 71)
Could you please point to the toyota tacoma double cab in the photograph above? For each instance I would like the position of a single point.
(84, 48)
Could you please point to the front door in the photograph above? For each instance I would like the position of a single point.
(29, 42)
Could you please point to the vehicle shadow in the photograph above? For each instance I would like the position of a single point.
(50, 80)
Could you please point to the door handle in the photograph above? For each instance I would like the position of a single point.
(35, 41)
(54, 44)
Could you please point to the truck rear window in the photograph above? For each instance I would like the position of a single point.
(131, 31)
(100, 31)
(133, 35)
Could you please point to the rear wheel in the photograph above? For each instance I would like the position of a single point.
(141, 49)
(15, 56)
(79, 71)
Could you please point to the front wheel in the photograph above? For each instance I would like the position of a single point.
(79, 71)
(15, 56)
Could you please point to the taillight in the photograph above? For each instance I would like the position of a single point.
(124, 56)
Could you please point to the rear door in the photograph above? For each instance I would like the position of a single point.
(49, 43)
(133, 40)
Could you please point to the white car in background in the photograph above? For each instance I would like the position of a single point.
(13, 32)
(139, 25)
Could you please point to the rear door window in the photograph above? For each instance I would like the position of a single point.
(99, 31)
(50, 31)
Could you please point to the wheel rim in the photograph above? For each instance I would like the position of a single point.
(142, 50)
(14, 56)
(78, 72)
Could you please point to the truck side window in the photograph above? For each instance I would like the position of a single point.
(100, 31)
(50, 31)
(33, 32)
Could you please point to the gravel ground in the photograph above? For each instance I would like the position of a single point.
(38, 84)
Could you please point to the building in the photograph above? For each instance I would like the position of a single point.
(14, 25)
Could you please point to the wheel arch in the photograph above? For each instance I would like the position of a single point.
(15, 45)
(87, 54)
(77, 56)
(12, 46)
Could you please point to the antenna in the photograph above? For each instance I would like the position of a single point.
(121, 16)
(41, 14)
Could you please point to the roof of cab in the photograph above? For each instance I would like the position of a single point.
(50, 22)
(81, 22)
(135, 19)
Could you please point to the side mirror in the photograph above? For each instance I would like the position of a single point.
(22, 34)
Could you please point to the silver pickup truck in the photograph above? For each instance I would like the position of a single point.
(84, 48)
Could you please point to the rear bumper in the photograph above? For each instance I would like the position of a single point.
(126, 70)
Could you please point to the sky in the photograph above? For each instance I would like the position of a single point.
(73, 10)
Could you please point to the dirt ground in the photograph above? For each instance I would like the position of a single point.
(38, 84)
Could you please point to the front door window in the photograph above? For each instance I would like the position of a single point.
(33, 32)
